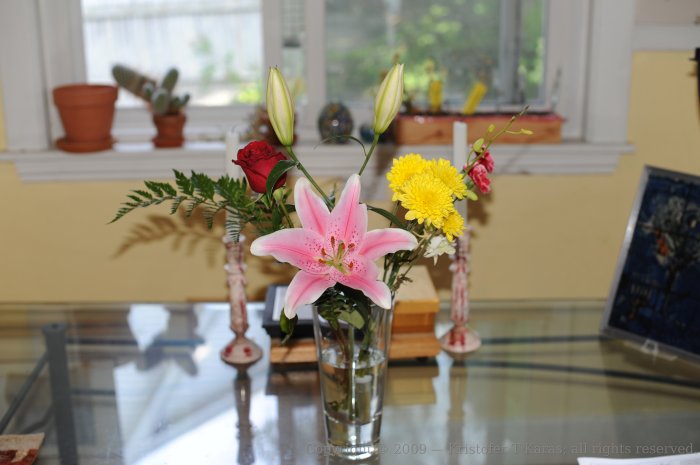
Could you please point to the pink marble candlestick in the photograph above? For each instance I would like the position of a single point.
(461, 339)
(241, 351)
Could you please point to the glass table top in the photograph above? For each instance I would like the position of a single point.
(143, 384)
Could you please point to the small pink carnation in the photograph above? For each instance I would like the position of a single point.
(479, 174)
(487, 162)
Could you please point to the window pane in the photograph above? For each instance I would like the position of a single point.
(293, 37)
(461, 41)
(215, 44)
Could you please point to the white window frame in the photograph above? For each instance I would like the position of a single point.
(594, 54)
(589, 40)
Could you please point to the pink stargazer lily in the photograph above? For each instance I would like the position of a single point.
(332, 247)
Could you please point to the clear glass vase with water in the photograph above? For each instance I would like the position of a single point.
(353, 352)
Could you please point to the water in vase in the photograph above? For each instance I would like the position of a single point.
(352, 399)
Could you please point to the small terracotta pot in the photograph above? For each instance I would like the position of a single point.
(170, 130)
(87, 113)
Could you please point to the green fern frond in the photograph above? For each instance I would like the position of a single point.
(177, 201)
(203, 185)
(167, 188)
(183, 182)
(225, 193)
(143, 194)
(209, 214)
(194, 203)
(233, 226)
(153, 187)
(122, 211)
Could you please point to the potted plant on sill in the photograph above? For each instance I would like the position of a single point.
(87, 112)
(167, 108)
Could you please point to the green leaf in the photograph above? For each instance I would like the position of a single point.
(190, 208)
(122, 211)
(168, 189)
(209, 214)
(478, 145)
(233, 225)
(358, 297)
(204, 185)
(389, 216)
(276, 218)
(183, 182)
(354, 318)
(280, 168)
(142, 193)
(154, 187)
(287, 326)
(471, 195)
(176, 204)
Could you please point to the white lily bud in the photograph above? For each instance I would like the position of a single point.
(389, 99)
(280, 108)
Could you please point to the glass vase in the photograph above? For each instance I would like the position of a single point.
(352, 361)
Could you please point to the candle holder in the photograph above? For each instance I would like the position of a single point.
(461, 339)
(241, 351)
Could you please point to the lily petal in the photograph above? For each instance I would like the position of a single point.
(311, 209)
(377, 291)
(305, 288)
(380, 242)
(298, 247)
(348, 220)
(362, 266)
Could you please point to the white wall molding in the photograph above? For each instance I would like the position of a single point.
(663, 38)
(609, 70)
(22, 76)
(566, 46)
(140, 161)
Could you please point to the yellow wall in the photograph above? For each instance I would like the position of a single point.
(543, 237)
(560, 236)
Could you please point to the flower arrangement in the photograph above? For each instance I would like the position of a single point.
(426, 189)
(329, 243)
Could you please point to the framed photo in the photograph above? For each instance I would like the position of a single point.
(655, 296)
(274, 301)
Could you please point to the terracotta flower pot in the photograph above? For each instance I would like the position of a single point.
(170, 130)
(87, 112)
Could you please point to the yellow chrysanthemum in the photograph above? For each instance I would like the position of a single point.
(427, 199)
(403, 169)
(449, 175)
(453, 225)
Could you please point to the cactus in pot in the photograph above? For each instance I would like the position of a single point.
(167, 108)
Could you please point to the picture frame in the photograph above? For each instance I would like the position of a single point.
(655, 296)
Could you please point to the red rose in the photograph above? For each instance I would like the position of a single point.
(479, 175)
(257, 160)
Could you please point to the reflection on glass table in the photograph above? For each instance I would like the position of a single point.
(143, 385)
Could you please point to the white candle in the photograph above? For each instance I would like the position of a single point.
(459, 157)
(232, 143)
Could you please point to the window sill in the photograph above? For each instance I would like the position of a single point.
(141, 161)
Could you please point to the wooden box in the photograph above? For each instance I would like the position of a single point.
(437, 129)
(417, 303)
(413, 327)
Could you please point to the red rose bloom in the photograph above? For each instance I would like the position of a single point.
(479, 175)
(257, 160)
